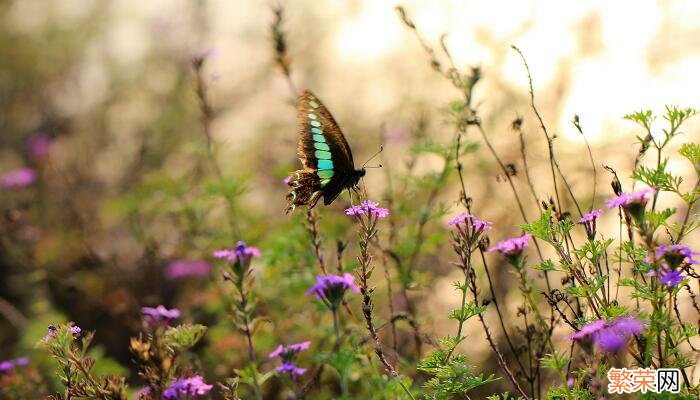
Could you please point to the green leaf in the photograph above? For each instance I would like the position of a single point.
(691, 151)
(183, 337)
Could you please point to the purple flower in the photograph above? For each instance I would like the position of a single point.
(609, 337)
(675, 254)
(38, 146)
(589, 222)
(153, 317)
(470, 220)
(290, 369)
(242, 253)
(368, 207)
(626, 200)
(627, 326)
(590, 217)
(6, 366)
(186, 268)
(287, 354)
(22, 361)
(144, 392)
(588, 330)
(186, 388)
(18, 178)
(331, 288)
(51, 333)
(469, 227)
(671, 278)
(610, 341)
(512, 247)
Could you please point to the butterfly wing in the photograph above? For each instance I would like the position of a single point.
(323, 148)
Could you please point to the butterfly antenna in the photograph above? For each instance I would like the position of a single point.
(381, 148)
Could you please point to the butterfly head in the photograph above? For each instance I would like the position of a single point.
(359, 173)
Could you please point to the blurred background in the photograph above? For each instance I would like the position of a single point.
(114, 179)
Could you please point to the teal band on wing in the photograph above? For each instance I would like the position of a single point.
(319, 138)
(315, 123)
(321, 146)
(325, 173)
(312, 115)
(325, 164)
(317, 131)
(323, 155)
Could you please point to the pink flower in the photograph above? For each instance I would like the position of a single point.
(626, 200)
(156, 316)
(590, 217)
(186, 268)
(18, 178)
(610, 337)
(368, 207)
(187, 388)
(242, 253)
(589, 222)
(38, 146)
(288, 354)
(675, 254)
(513, 246)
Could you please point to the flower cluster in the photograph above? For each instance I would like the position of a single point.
(610, 337)
(186, 388)
(7, 366)
(368, 207)
(469, 227)
(239, 257)
(633, 203)
(187, 268)
(158, 316)
(18, 178)
(513, 247)
(287, 354)
(675, 254)
(53, 331)
(331, 288)
(589, 222)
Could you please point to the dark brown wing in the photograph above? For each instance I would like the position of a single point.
(340, 150)
(325, 154)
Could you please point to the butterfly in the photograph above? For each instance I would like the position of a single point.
(325, 155)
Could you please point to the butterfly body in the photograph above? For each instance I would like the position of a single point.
(325, 155)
